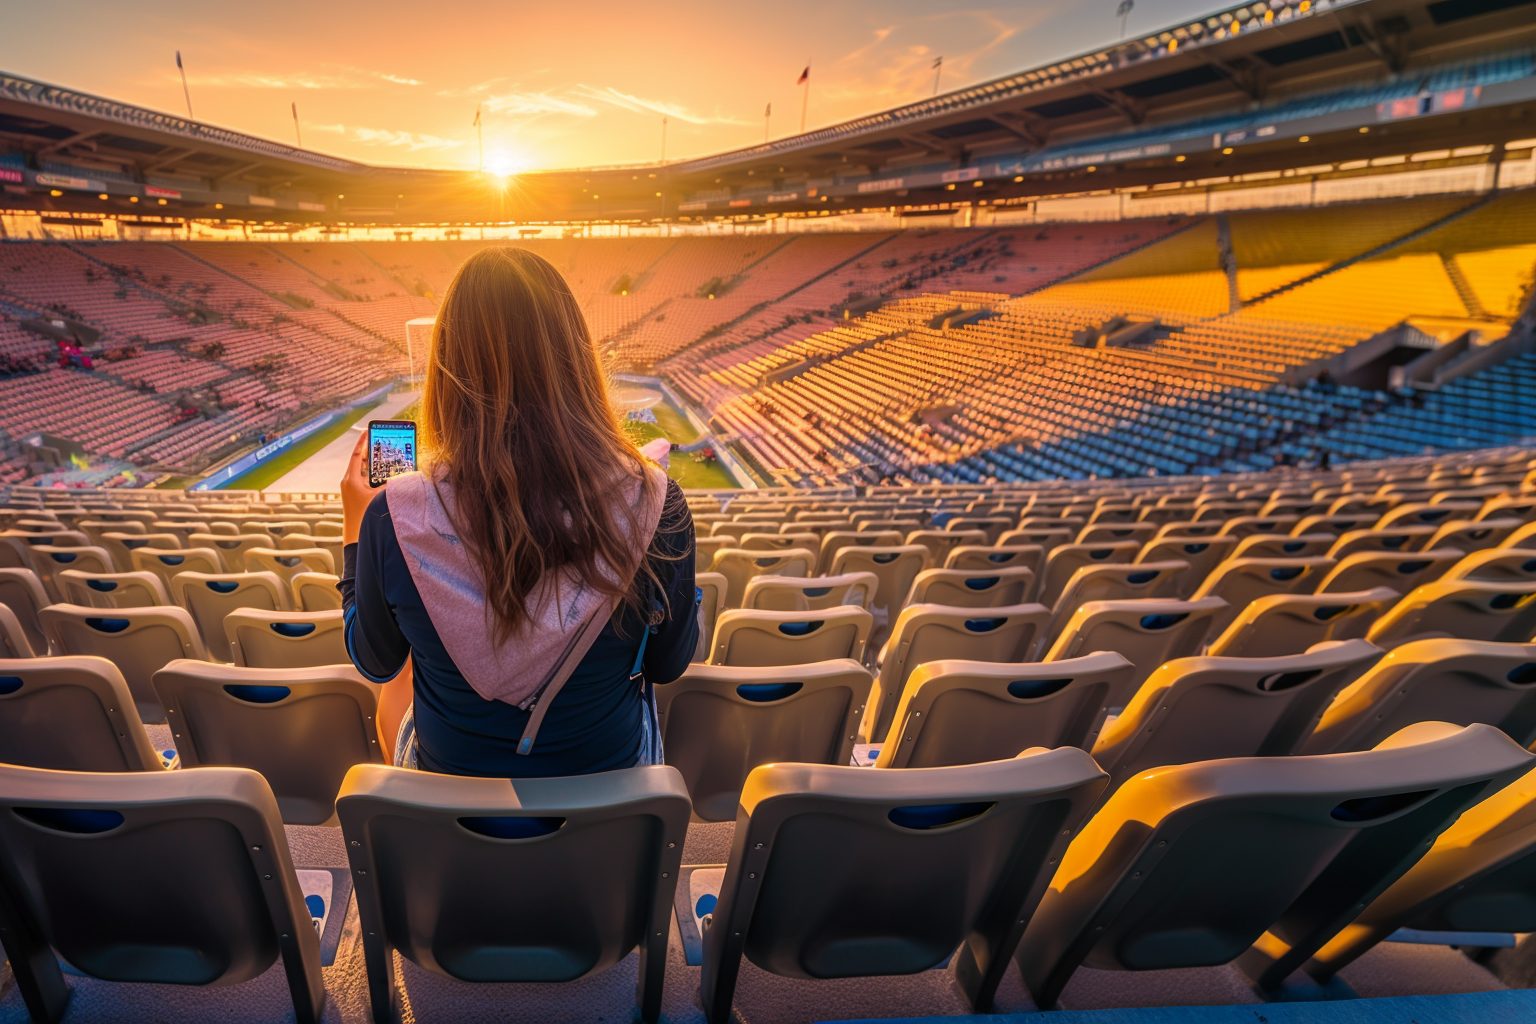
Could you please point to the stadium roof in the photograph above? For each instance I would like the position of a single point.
(1229, 94)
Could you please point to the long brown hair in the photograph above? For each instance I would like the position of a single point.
(517, 419)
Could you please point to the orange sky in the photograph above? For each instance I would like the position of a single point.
(561, 84)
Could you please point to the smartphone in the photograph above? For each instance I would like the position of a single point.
(391, 449)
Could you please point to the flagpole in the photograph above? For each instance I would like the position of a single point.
(185, 92)
(805, 97)
(297, 134)
(938, 69)
(480, 137)
(767, 122)
(663, 138)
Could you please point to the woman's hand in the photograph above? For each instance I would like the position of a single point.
(356, 492)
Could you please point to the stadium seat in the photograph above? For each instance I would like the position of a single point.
(1204, 709)
(809, 593)
(843, 872)
(1146, 631)
(1463, 609)
(939, 543)
(1241, 581)
(709, 590)
(301, 728)
(739, 566)
(931, 632)
(1281, 624)
(719, 722)
(112, 589)
(972, 588)
(121, 545)
(895, 566)
(282, 639)
(166, 563)
(231, 547)
(966, 712)
(23, 594)
(431, 856)
(71, 714)
(13, 638)
(1402, 572)
(316, 592)
(1063, 562)
(209, 597)
(1399, 539)
(1201, 554)
(1495, 565)
(1464, 682)
(749, 639)
(163, 857)
(971, 557)
(1269, 857)
(139, 641)
(49, 560)
(1115, 582)
(287, 563)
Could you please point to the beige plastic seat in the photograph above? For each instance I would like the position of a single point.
(288, 563)
(749, 638)
(719, 722)
(1202, 709)
(1464, 609)
(180, 878)
(1147, 631)
(1402, 572)
(316, 592)
(1201, 554)
(1282, 624)
(970, 557)
(1479, 876)
(709, 590)
(22, 592)
(1256, 860)
(972, 588)
(739, 565)
(1525, 537)
(1458, 681)
(231, 547)
(121, 546)
(1399, 539)
(1496, 565)
(845, 872)
(894, 565)
(13, 639)
(1249, 526)
(139, 641)
(992, 527)
(262, 639)
(1046, 538)
(432, 856)
(1473, 535)
(1125, 581)
(810, 593)
(305, 542)
(168, 562)
(112, 589)
(1241, 581)
(1109, 533)
(48, 560)
(965, 712)
(834, 541)
(1065, 560)
(1426, 513)
(803, 539)
(931, 632)
(209, 597)
(71, 714)
(704, 549)
(301, 728)
(940, 543)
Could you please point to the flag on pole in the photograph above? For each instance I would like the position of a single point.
(768, 110)
(1126, 6)
(178, 60)
(805, 76)
(938, 62)
(477, 115)
(294, 106)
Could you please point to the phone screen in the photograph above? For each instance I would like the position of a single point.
(391, 449)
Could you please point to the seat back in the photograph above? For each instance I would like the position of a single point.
(1398, 539)
(1464, 609)
(112, 589)
(1402, 572)
(1241, 581)
(810, 593)
(739, 565)
(1442, 680)
(939, 543)
(1496, 565)
(1480, 876)
(834, 541)
(48, 560)
(262, 639)
(972, 588)
(1472, 535)
(166, 563)
(316, 592)
(895, 567)
(13, 639)
(595, 858)
(71, 714)
(968, 557)
(139, 641)
(931, 632)
(1282, 624)
(231, 546)
(209, 597)
(966, 712)
(22, 592)
(1147, 631)
(1065, 560)
(842, 872)
(746, 638)
(1284, 545)
(288, 562)
(1201, 709)
(301, 728)
(179, 878)
(1120, 581)
(719, 722)
(709, 589)
(121, 546)
(1200, 553)
(1192, 865)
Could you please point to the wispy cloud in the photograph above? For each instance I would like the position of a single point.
(392, 138)
(526, 104)
(621, 100)
(341, 77)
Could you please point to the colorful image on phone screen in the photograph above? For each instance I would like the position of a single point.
(391, 449)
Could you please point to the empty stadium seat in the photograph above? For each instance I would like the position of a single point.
(748, 638)
(287, 562)
(1147, 631)
(739, 565)
(112, 589)
(1401, 572)
(166, 563)
(23, 594)
(972, 588)
(209, 597)
(264, 639)
(809, 593)
(1464, 609)
(1282, 624)
(315, 592)
(139, 641)
(71, 714)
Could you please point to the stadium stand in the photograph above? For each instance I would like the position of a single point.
(1335, 735)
